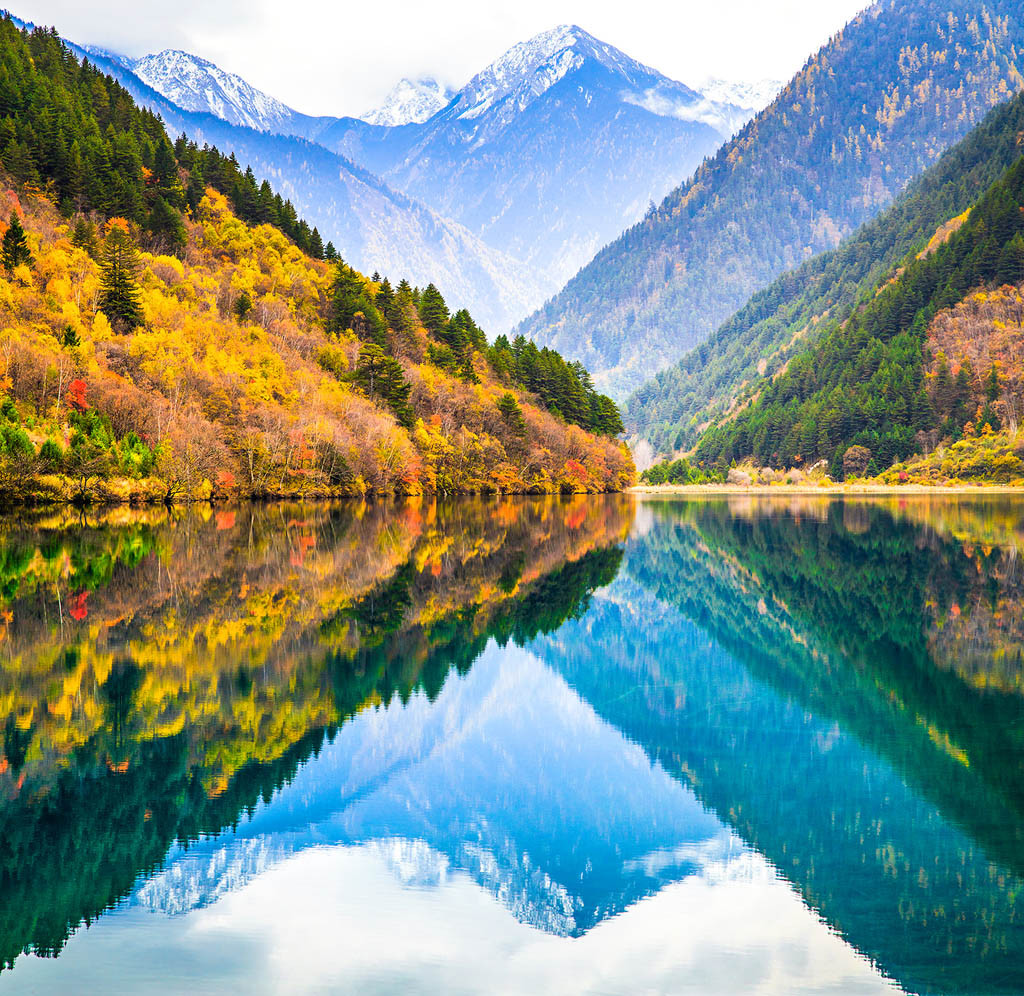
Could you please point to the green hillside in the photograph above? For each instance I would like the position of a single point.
(877, 382)
(671, 410)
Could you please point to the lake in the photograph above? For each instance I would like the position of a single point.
(580, 745)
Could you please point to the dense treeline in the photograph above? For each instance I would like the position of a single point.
(671, 410)
(900, 84)
(864, 384)
(387, 316)
(564, 388)
(77, 132)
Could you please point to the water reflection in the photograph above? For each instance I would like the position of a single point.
(793, 729)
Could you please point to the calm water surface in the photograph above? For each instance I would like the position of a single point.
(555, 746)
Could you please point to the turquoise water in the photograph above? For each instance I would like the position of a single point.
(598, 745)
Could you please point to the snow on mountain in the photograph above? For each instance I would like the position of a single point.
(507, 87)
(553, 149)
(410, 102)
(753, 96)
(198, 85)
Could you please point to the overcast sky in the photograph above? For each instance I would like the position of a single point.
(343, 57)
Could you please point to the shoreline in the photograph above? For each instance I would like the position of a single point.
(829, 490)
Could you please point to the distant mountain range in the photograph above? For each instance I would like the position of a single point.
(542, 158)
(373, 226)
(550, 151)
(882, 100)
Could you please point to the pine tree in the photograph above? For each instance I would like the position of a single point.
(385, 299)
(433, 310)
(382, 376)
(15, 251)
(512, 414)
(120, 299)
(316, 246)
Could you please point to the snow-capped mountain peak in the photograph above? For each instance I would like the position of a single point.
(195, 84)
(530, 68)
(410, 102)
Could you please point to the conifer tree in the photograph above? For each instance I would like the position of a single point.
(433, 310)
(15, 251)
(120, 299)
(316, 246)
(382, 376)
(512, 414)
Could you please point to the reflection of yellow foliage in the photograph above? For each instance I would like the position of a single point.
(229, 632)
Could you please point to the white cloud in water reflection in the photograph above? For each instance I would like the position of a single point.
(337, 920)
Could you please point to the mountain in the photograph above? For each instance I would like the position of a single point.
(410, 102)
(876, 105)
(545, 155)
(373, 226)
(935, 356)
(197, 85)
(208, 340)
(554, 148)
(708, 383)
(750, 96)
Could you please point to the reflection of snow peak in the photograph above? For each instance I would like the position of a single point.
(191, 880)
(507, 777)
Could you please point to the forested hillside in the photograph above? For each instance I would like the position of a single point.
(673, 409)
(903, 82)
(899, 376)
(155, 346)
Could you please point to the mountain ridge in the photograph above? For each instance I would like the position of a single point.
(798, 178)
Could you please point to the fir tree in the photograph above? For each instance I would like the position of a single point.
(120, 299)
(382, 376)
(433, 310)
(316, 246)
(512, 414)
(15, 251)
